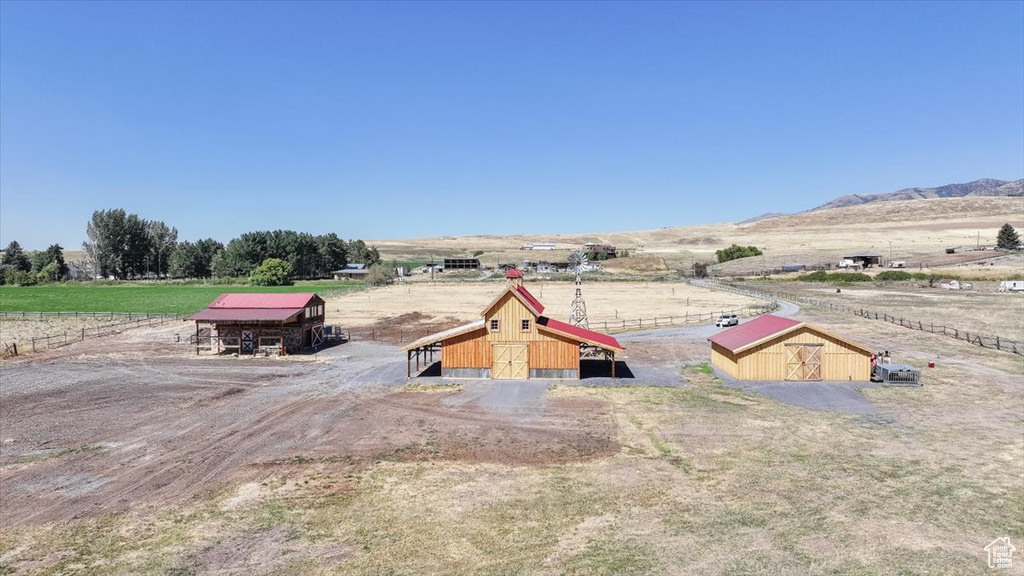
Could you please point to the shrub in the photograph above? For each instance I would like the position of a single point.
(894, 275)
(272, 272)
(822, 276)
(736, 251)
(379, 275)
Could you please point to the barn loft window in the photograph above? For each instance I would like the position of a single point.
(526, 325)
(494, 325)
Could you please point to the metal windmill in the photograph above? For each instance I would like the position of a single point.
(578, 315)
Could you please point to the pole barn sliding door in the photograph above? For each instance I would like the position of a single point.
(803, 362)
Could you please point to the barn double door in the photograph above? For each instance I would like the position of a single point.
(510, 362)
(803, 362)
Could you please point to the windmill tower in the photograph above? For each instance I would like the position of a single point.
(578, 315)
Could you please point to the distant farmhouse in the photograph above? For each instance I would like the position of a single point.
(351, 272)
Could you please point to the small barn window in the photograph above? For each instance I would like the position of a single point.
(526, 325)
(494, 325)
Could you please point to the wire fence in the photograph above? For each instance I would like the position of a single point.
(58, 340)
(7, 315)
(985, 341)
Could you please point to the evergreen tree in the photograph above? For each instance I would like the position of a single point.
(1008, 238)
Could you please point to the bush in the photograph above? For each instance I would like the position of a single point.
(736, 251)
(894, 276)
(272, 272)
(379, 275)
(822, 276)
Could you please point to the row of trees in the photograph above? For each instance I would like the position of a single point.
(126, 246)
(20, 267)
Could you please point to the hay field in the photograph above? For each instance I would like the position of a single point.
(449, 302)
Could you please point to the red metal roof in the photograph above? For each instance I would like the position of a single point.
(246, 314)
(749, 332)
(288, 300)
(581, 333)
(513, 273)
(531, 299)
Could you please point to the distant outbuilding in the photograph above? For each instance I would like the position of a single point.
(775, 348)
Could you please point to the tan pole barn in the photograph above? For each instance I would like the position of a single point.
(776, 349)
(512, 340)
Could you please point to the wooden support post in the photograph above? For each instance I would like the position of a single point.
(613, 365)
(408, 363)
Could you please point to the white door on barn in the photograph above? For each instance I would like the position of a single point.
(803, 362)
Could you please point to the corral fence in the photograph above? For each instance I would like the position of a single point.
(408, 334)
(985, 341)
(7, 315)
(71, 336)
(8, 350)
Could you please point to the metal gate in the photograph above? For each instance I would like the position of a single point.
(803, 362)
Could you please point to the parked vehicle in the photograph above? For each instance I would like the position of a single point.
(727, 320)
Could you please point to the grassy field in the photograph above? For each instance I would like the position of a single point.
(137, 297)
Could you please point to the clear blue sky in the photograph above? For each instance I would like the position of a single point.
(413, 119)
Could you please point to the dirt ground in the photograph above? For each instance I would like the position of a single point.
(133, 456)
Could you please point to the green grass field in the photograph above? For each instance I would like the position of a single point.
(137, 297)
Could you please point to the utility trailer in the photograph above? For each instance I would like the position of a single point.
(896, 375)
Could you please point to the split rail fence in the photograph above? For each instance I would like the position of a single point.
(985, 341)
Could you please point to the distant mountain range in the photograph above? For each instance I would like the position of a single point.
(983, 187)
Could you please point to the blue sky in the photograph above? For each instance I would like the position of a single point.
(383, 120)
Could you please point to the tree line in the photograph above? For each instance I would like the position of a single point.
(125, 246)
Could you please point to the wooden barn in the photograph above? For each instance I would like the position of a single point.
(774, 348)
(283, 323)
(512, 340)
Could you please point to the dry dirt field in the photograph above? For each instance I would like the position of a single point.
(132, 456)
(919, 229)
(982, 310)
(435, 306)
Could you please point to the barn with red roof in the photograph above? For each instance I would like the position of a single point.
(774, 348)
(512, 340)
(252, 323)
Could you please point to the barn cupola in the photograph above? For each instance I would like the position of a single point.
(515, 278)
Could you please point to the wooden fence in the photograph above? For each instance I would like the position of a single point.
(70, 337)
(6, 315)
(985, 341)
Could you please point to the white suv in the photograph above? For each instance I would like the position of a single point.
(728, 320)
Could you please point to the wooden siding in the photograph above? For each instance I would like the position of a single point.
(768, 361)
(472, 350)
(555, 353)
(723, 359)
(510, 312)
